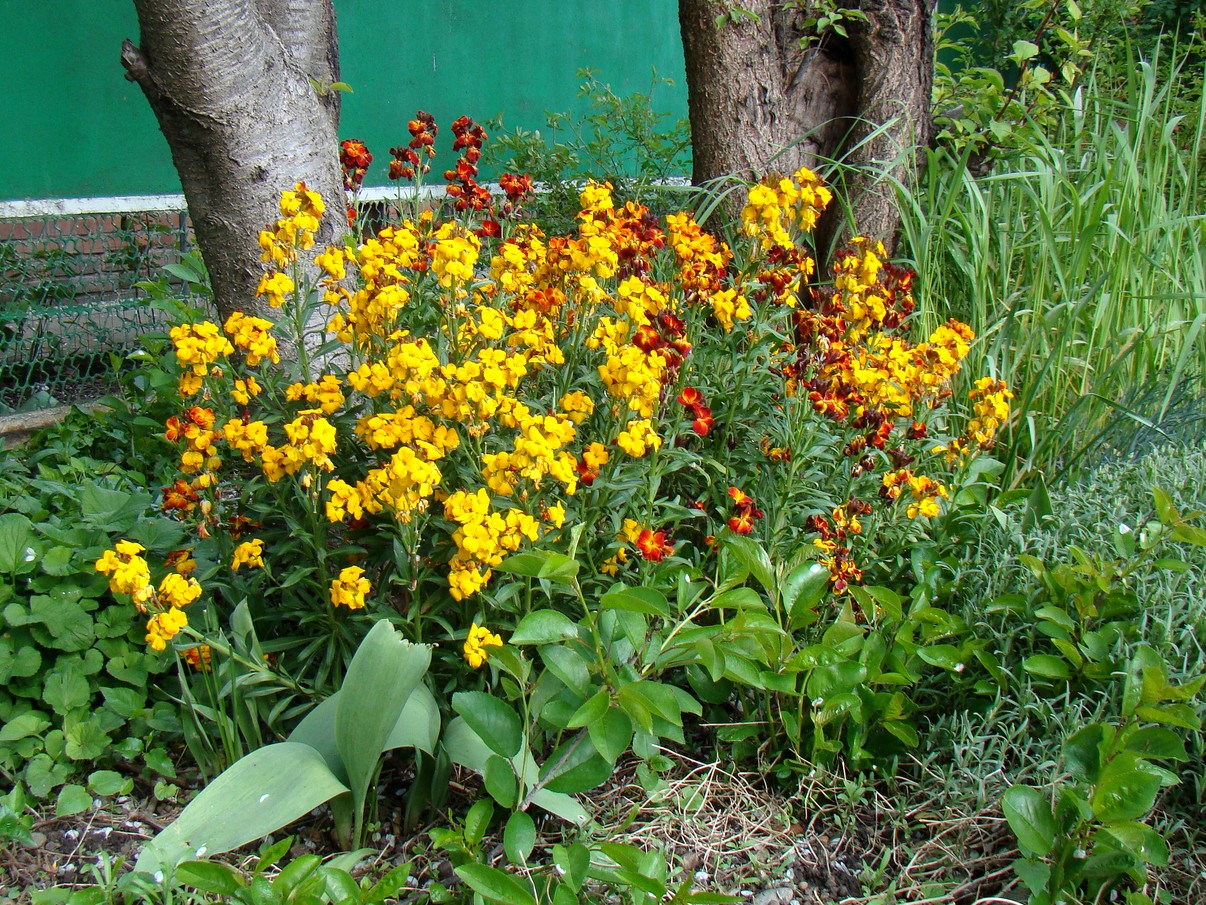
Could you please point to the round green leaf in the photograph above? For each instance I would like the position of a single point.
(519, 837)
(495, 722)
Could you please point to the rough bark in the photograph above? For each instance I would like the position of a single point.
(230, 83)
(761, 101)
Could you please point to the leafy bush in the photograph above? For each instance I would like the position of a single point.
(77, 678)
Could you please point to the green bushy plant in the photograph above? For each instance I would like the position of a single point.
(78, 682)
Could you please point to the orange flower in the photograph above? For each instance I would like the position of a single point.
(653, 545)
(703, 420)
(742, 523)
(690, 397)
(741, 499)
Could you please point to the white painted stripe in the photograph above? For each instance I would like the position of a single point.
(136, 204)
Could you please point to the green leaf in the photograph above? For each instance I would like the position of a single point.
(495, 722)
(544, 627)
(464, 747)
(494, 885)
(519, 837)
(500, 781)
(944, 656)
(211, 877)
(1082, 752)
(264, 791)
(418, 726)
(19, 545)
(803, 589)
(1127, 789)
(384, 671)
(107, 782)
(636, 600)
(22, 726)
(556, 567)
(86, 740)
(1156, 741)
(594, 709)
(1047, 666)
(1180, 715)
(611, 734)
(72, 800)
(752, 557)
(576, 767)
(1029, 816)
(1139, 840)
(65, 691)
(477, 821)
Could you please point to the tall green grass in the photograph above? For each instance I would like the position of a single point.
(1080, 263)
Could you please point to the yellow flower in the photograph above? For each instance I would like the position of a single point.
(178, 591)
(163, 627)
(476, 642)
(250, 554)
(349, 588)
(275, 286)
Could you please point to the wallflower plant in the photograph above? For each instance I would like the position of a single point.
(713, 437)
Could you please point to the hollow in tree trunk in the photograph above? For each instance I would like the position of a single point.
(767, 94)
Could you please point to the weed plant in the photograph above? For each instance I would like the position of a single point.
(1079, 262)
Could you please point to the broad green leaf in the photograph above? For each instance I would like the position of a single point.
(384, 671)
(500, 781)
(22, 726)
(494, 885)
(66, 690)
(555, 567)
(944, 656)
(594, 708)
(19, 545)
(636, 600)
(1082, 752)
(1156, 741)
(107, 782)
(575, 766)
(1139, 840)
(418, 726)
(72, 800)
(211, 877)
(566, 664)
(1127, 789)
(519, 837)
(544, 627)
(611, 734)
(752, 557)
(1029, 816)
(803, 589)
(1180, 715)
(1047, 666)
(464, 747)
(494, 721)
(264, 791)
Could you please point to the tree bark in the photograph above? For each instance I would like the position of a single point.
(230, 83)
(763, 101)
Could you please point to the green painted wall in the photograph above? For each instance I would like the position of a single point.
(74, 127)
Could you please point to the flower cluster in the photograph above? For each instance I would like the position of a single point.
(355, 158)
(410, 160)
(130, 575)
(742, 522)
(494, 386)
(476, 642)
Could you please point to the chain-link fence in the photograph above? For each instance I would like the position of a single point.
(70, 306)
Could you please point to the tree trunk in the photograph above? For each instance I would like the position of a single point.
(230, 83)
(761, 100)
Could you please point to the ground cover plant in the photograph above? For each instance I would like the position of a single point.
(627, 490)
